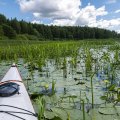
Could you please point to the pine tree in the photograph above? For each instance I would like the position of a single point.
(16, 25)
(2, 19)
(8, 31)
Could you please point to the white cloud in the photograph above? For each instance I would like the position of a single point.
(89, 14)
(62, 12)
(117, 11)
(84, 16)
(113, 24)
(63, 22)
(118, 31)
(51, 8)
(68, 12)
(37, 21)
(37, 15)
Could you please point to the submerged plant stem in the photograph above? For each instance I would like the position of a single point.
(92, 92)
(83, 106)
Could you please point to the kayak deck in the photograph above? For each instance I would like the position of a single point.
(13, 103)
(12, 74)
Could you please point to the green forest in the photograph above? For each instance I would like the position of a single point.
(22, 30)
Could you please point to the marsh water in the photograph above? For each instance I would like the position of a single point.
(72, 77)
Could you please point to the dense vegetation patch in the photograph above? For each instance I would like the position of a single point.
(69, 80)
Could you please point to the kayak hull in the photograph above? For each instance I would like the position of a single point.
(16, 101)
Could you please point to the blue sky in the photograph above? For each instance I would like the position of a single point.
(94, 13)
(11, 9)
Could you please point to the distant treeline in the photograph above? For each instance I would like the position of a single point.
(14, 29)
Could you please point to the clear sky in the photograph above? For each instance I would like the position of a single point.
(93, 13)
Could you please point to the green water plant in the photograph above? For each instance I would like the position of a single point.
(64, 68)
(112, 95)
(88, 61)
(40, 102)
(83, 108)
(46, 86)
(92, 92)
(49, 57)
(53, 87)
(106, 83)
(116, 56)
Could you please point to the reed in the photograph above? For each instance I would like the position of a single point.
(92, 92)
(83, 108)
(41, 107)
(88, 60)
(53, 87)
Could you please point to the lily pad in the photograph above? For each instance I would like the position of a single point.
(77, 115)
(73, 114)
(95, 115)
(60, 113)
(49, 115)
(109, 109)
